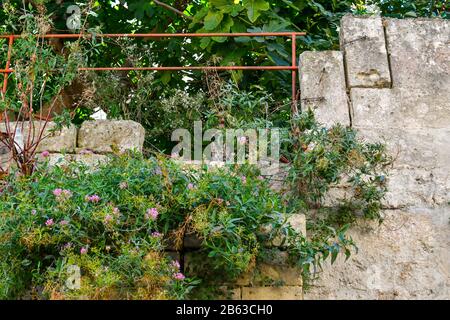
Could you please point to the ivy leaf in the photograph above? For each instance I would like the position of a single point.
(254, 8)
(212, 20)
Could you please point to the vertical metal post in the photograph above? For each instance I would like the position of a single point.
(294, 75)
(7, 72)
(8, 63)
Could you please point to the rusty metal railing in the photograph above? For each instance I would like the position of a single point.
(293, 67)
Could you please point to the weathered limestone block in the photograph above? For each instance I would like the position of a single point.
(90, 160)
(272, 293)
(400, 108)
(406, 257)
(322, 86)
(414, 187)
(274, 270)
(102, 136)
(419, 52)
(364, 46)
(63, 140)
(420, 148)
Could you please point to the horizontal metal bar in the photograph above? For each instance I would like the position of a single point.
(188, 68)
(165, 35)
(6, 70)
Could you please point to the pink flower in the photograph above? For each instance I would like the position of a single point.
(190, 186)
(178, 276)
(219, 201)
(108, 218)
(45, 154)
(156, 234)
(33, 212)
(57, 192)
(93, 198)
(175, 264)
(49, 222)
(116, 211)
(261, 178)
(152, 213)
(83, 250)
(242, 140)
(64, 222)
(244, 179)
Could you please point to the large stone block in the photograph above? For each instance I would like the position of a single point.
(272, 293)
(406, 257)
(53, 139)
(273, 270)
(364, 46)
(322, 86)
(90, 160)
(419, 148)
(414, 187)
(102, 136)
(420, 54)
(400, 108)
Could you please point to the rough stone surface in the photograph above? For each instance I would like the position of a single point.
(323, 72)
(274, 270)
(400, 108)
(102, 136)
(272, 293)
(425, 148)
(63, 140)
(420, 53)
(91, 160)
(407, 257)
(412, 187)
(364, 46)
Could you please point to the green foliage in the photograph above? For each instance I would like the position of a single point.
(330, 159)
(319, 18)
(49, 217)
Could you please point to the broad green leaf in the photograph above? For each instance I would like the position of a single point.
(212, 20)
(254, 8)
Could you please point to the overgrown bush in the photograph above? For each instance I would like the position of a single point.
(116, 221)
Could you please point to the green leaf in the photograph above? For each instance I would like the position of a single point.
(212, 20)
(254, 8)
(166, 77)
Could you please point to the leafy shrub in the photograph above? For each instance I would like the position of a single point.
(116, 221)
(110, 223)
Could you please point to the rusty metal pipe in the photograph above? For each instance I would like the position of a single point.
(186, 68)
(292, 68)
(163, 35)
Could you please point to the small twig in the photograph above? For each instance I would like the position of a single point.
(168, 7)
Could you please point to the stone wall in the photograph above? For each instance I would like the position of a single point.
(391, 82)
(89, 144)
